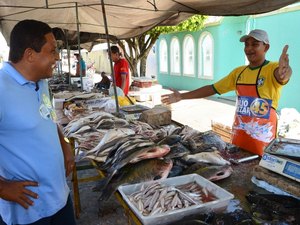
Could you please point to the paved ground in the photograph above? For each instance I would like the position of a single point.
(199, 113)
(195, 113)
(111, 214)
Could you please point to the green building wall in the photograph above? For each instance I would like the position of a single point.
(282, 28)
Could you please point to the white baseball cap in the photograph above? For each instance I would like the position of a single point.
(257, 34)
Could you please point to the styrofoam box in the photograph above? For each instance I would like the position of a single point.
(223, 198)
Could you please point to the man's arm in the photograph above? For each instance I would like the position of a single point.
(123, 76)
(202, 92)
(67, 151)
(77, 69)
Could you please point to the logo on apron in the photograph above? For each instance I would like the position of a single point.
(46, 109)
(253, 107)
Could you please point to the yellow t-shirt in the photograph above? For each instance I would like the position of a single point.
(267, 85)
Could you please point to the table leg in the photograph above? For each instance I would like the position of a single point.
(75, 185)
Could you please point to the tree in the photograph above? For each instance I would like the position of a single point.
(140, 46)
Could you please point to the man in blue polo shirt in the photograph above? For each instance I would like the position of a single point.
(35, 159)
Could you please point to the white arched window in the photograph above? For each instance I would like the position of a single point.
(206, 50)
(163, 56)
(188, 56)
(175, 56)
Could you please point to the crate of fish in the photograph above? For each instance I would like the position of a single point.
(168, 200)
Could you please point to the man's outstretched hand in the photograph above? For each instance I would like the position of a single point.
(284, 69)
(171, 98)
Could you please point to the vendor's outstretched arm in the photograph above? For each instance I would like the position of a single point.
(202, 92)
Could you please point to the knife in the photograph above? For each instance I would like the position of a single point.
(245, 159)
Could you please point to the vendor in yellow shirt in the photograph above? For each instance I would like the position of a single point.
(258, 88)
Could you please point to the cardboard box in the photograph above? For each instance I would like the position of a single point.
(284, 166)
(223, 198)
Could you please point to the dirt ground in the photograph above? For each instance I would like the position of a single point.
(195, 113)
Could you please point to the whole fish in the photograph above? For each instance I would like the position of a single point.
(169, 140)
(208, 157)
(111, 135)
(121, 150)
(74, 126)
(135, 155)
(146, 170)
(214, 173)
(115, 148)
(105, 124)
(205, 142)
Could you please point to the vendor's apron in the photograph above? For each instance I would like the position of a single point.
(255, 121)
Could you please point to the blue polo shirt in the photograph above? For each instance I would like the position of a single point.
(29, 147)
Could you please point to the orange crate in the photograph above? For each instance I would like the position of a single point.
(223, 130)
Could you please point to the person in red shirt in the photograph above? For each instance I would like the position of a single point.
(121, 69)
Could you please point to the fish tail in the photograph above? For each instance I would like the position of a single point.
(106, 193)
(100, 185)
(109, 177)
(107, 188)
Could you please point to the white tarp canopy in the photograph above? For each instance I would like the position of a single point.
(125, 18)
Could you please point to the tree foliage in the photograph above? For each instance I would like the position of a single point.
(194, 23)
(137, 49)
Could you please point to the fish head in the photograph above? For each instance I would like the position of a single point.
(165, 149)
(177, 150)
(221, 173)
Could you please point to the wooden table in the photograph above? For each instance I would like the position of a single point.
(239, 184)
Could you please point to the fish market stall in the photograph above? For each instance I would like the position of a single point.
(241, 186)
(127, 152)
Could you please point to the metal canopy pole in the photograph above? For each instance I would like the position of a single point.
(78, 40)
(68, 53)
(110, 59)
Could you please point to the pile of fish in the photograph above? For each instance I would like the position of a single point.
(128, 149)
(204, 160)
(157, 198)
(120, 147)
(98, 120)
(108, 143)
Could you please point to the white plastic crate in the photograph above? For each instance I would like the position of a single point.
(223, 198)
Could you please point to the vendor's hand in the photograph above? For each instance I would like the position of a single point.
(16, 191)
(284, 69)
(171, 98)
